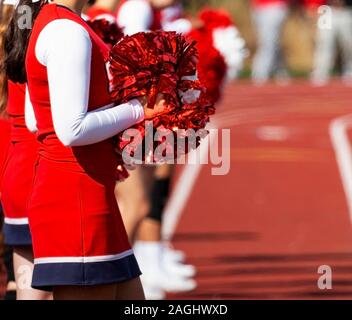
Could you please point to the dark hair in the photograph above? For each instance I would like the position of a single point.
(16, 40)
(5, 16)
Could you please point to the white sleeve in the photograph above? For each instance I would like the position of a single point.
(31, 121)
(65, 48)
(135, 16)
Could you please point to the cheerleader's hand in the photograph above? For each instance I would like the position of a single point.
(159, 108)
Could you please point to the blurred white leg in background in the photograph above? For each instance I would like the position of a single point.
(269, 20)
(344, 32)
(325, 52)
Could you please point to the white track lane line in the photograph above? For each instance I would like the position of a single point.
(184, 187)
(343, 152)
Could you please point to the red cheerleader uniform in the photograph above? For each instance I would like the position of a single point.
(4, 144)
(77, 230)
(18, 171)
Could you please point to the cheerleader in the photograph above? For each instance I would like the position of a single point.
(15, 190)
(19, 172)
(80, 245)
(17, 179)
(163, 268)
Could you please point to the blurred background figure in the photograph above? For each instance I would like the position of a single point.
(334, 32)
(5, 129)
(269, 17)
(144, 195)
(164, 269)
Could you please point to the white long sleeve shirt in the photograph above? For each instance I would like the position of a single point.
(64, 47)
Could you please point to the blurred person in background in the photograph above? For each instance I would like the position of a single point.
(269, 17)
(144, 194)
(163, 267)
(334, 30)
(5, 251)
(5, 130)
(17, 172)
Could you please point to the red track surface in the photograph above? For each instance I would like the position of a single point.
(263, 230)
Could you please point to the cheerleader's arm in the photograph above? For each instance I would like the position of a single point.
(65, 48)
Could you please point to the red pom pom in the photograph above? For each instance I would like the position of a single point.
(151, 63)
(107, 30)
(159, 62)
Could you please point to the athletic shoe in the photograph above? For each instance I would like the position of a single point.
(150, 258)
(172, 254)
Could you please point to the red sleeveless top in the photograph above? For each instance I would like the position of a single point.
(99, 157)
